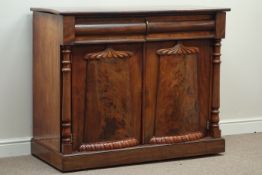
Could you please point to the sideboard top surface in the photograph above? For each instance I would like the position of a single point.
(124, 10)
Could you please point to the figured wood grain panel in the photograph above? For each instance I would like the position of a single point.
(109, 107)
(177, 108)
(151, 81)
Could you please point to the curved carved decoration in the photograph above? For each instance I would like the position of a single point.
(108, 53)
(108, 145)
(177, 139)
(178, 49)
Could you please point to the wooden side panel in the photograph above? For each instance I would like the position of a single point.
(177, 108)
(177, 90)
(111, 102)
(47, 37)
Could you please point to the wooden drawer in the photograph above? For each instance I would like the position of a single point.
(87, 29)
(140, 29)
(180, 27)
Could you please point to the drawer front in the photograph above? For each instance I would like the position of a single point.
(164, 27)
(106, 94)
(180, 27)
(105, 29)
(139, 29)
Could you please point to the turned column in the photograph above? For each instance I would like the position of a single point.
(214, 129)
(66, 127)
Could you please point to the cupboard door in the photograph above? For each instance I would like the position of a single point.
(177, 88)
(106, 91)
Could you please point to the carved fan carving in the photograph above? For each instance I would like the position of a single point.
(178, 49)
(108, 53)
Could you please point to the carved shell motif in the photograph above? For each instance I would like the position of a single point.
(108, 53)
(178, 49)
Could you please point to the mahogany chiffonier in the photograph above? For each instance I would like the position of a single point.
(122, 87)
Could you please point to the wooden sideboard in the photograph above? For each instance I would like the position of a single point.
(122, 87)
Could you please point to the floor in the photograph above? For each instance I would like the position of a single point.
(243, 157)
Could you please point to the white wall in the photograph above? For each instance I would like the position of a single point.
(241, 82)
